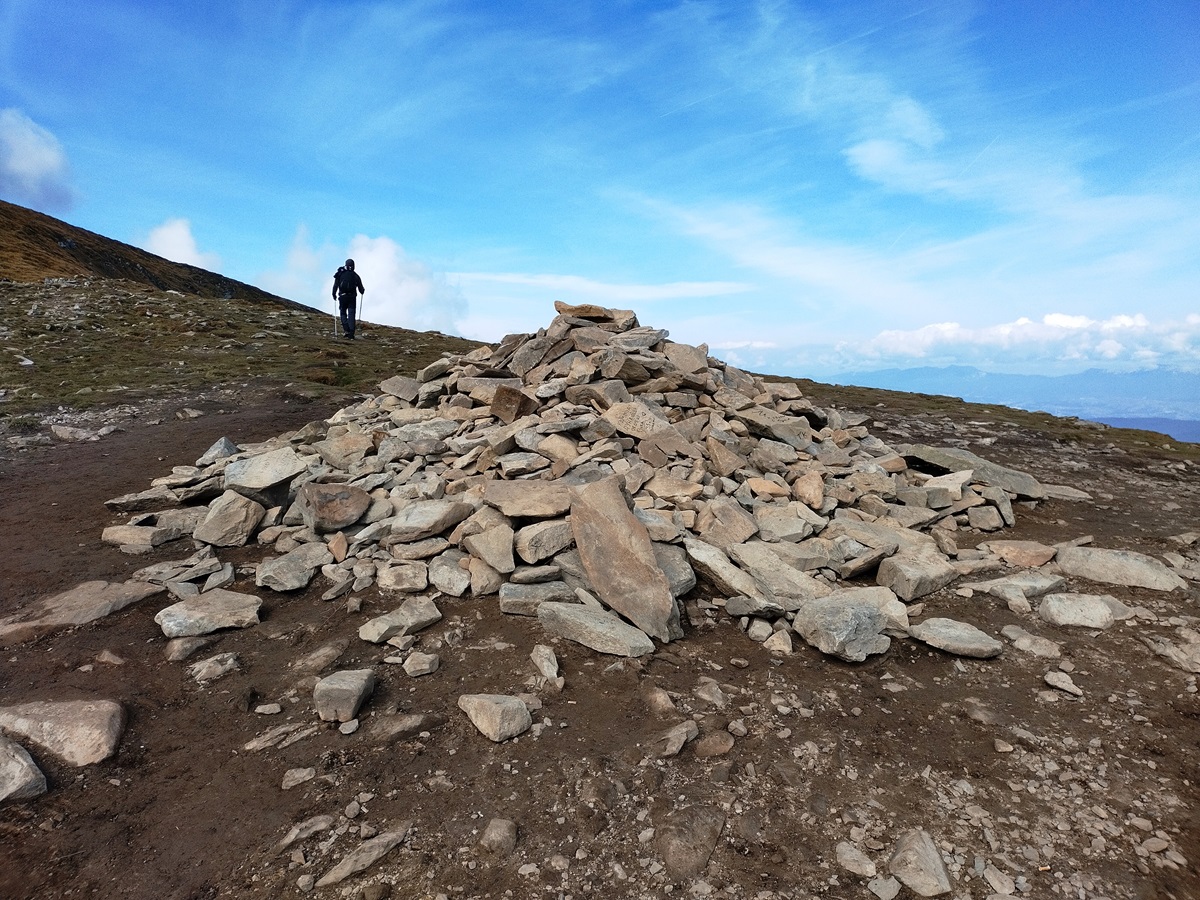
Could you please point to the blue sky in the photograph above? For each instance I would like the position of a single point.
(809, 188)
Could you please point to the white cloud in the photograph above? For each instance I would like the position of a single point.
(173, 240)
(399, 290)
(404, 291)
(33, 166)
(1056, 342)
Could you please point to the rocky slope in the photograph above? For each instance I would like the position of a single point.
(592, 612)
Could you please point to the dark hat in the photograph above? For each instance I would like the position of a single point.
(349, 264)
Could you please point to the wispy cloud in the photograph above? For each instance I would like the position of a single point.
(33, 166)
(173, 240)
(591, 291)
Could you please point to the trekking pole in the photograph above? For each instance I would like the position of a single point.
(335, 317)
(361, 300)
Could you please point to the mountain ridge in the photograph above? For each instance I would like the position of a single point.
(36, 246)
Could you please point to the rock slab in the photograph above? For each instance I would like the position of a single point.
(79, 732)
(209, 612)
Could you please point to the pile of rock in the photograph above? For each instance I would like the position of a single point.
(590, 475)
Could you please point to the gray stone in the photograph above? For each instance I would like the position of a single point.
(214, 667)
(265, 478)
(143, 501)
(402, 387)
(524, 599)
(494, 546)
(895, 612)
(448, 576)
(222, 448)
(594, 628)
(331, 507)
(917, 862)
(528, 499)
(230, 521)
(793, 522)
(848, 630)
(724, 522)
(293, 570)
(79, 732)
(339, 696)
(412, 616)
(20, 778)
(305, 830)
(82, 604)
(406, 578)
(499, 837)
(673, 562)
(294, 777)
(619, 560)
(344, 450)
(546, 661)
(854, 860)
(956, 460)
(420, 519)
(418, 663)
(1031, 643)
(1063, 682)
(497, 717)
(1123, 567)
(1079, 610)
(712, 565)
(790, 587)
(956, 637)
(791, 430)
(913, 576)
(365, 855)
(209, 612)
(636, 419)
(687, 838)
(542, 540)
(179, 649)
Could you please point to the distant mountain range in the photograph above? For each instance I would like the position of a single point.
(1165, 400)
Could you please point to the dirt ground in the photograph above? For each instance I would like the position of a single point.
(831, 751)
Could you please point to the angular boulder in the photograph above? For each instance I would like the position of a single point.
(265, 478)
(619, 560)
(498, 717)
(79, 732)
(331, 507)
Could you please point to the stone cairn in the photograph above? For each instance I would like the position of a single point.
(590, 475)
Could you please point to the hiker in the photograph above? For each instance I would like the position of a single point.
(346, 288)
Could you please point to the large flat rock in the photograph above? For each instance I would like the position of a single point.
(79, 732)
(209, 612)
(594, 628)
(1122, 567)
(619, 559)
(82, 604)
(959, 638)
(265, 478)
(954, 459)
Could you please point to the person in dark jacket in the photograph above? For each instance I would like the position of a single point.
(346, 288)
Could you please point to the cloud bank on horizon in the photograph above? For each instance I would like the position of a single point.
(809, 190)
